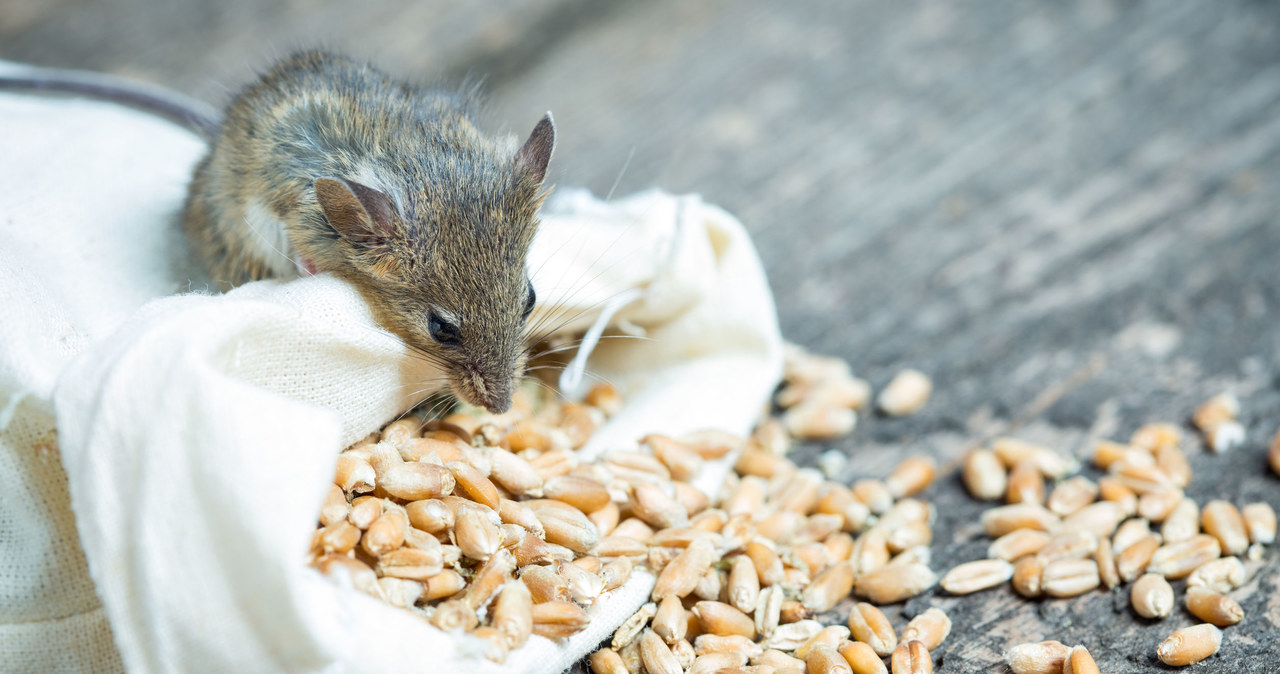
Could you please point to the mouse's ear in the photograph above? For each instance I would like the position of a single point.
(533, 157)
(360, 214)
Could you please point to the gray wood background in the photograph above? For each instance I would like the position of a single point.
(1064, 212)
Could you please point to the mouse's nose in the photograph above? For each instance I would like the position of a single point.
(498, 406)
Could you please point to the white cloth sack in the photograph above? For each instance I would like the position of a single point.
(198, 432)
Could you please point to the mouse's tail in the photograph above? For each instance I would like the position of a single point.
(184, 110)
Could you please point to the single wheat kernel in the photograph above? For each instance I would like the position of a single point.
(1027, 573)
(353, 473)
(716, 662)
(869, 625)
(1129, 532)
(415, 481)
(768, 611)
(705, 644)
(911, 657)
(791, 636)
(1018, 543)
(983, 474)
(349, 572)
(657, 656)
(711, 585)
(1107, 452)
(630, 628)
(1001, 520)
(905, 394)
(1182, 523)
(683, 462)
(1111, 489)
(584, 493)
(1045, 657)
(929, 628)
(744, 584)
(681, 576)
(444, 584)
(615, 573)
(1216, 410)
(1213, 607)
(475, 534)
(818, 421)
(829, 637)
(670, 622)
(607, 661)
(892, 584)
(490, 578)
(1070, 577)
(828, 588)
(411, 564)
(513, 473)
(565, 525)
(1051, 464)
(1152, 437)
(1106, 562)
(1079, 661)
(683, 650)
(1070, 544)
(861, 658)
(431, 515)
(836, 499)
(1151, 596)
(874, 494)
(513, 614)
(1223, 521)
(1220, 575)
(1026, 484)
(907, 536)
(1141, 476)
(340, 537)
(777, 659)
(1190, 645)
(975, 576)
(1172, 462)
(722, 619)
(839, 547)
(1260, 520)
(1071, 495)
(454, 614)
(793, 611)
(911, 476)
(1273, 454)
(1101, 519)
(386, 533)
(650, 503)
(1177, 560)
(1136, 557)
(768, 565)
(824, 659)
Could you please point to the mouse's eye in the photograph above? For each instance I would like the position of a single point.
(443, 331)
(528, 304)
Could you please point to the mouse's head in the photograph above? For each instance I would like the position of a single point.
(442, 259)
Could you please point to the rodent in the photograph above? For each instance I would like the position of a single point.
(326, 164)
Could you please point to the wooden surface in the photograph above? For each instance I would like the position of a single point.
(1066, 213)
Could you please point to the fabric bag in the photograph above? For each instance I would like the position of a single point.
(164, 450)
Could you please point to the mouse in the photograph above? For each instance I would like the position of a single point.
(326, 164)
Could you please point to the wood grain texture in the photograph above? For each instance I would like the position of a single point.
(1065, 213)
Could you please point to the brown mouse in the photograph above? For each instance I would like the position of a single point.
(326, 164)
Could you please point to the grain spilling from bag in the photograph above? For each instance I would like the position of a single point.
(492, 525)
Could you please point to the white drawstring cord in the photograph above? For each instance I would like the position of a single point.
(571, 378)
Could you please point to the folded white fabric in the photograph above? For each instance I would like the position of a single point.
(198, 432)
